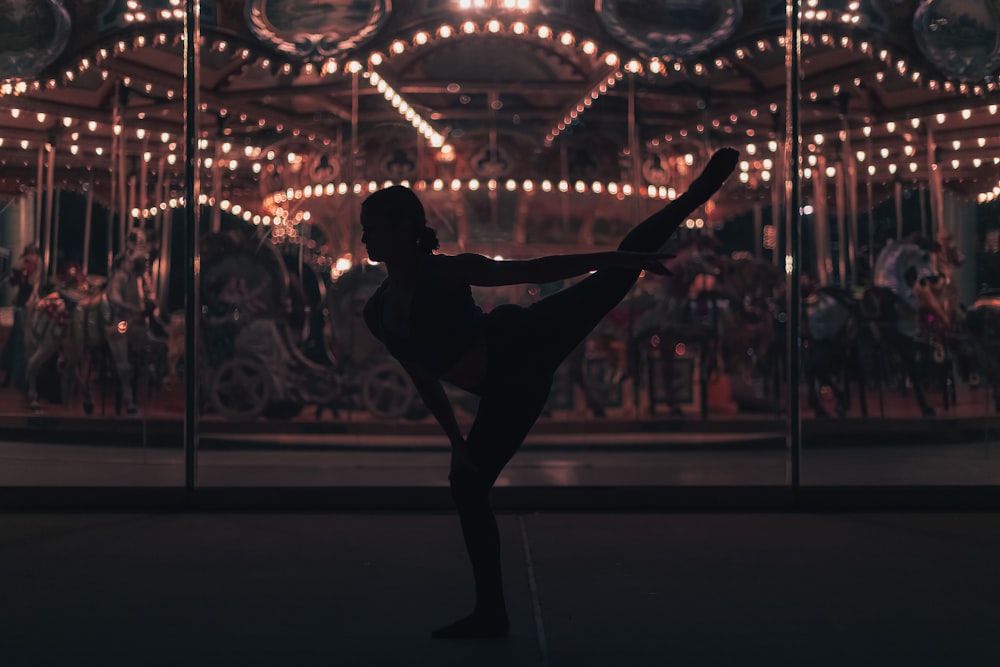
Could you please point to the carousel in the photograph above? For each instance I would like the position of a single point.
(527, 127)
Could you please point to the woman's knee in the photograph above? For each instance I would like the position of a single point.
(469, 487)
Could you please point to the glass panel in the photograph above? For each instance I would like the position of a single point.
(899, 358)
(524, 131)
(90, 132)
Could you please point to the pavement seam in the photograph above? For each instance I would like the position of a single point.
(536, 603)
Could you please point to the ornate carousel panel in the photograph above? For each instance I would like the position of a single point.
(678, 28)
(960, 37)
(307, 29)
(32, 35)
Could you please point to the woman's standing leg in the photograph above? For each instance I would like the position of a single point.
(564, 319)
(506, 414)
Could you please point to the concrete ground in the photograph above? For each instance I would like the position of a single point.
(682, 589)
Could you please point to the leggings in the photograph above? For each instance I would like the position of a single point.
(526, 346)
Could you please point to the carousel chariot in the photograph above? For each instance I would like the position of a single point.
(266, 338)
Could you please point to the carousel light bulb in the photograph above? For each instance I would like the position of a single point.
(867, 130)
(74, 149)
(751, 149)
(913, 167)
(954, 164)
(226, 147)
(772, 146)
(976, 162)
(768, 163)
(884, 153)
(966, 114)
(493, 26)
(165, 137)
(99, 151)
(140, 133)
(354, 66)
(871, 170)
(567, 38)
(67, 121)
(892, 169)
(909, 150)
(468, 27)
(818, 139)
(147, 156)
(544, 32)
(519, 28)
(172, 159)
(445, 32)
(473, 185)
(956, 144)
(420, 38)
(589, 47)
(831, 172)
(940, 118)
(546, 185)
(861, 156)
(890, 126)
(915, 123)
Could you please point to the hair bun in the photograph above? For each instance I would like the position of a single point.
(427, 240)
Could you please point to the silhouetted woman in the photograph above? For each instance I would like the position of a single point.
(425, 315)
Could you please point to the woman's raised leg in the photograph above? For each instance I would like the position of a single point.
(562, 320)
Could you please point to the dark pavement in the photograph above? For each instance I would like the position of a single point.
(684, 589)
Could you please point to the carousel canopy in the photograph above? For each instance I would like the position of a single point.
(305, 105)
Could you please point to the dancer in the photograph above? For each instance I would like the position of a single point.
(425, 315)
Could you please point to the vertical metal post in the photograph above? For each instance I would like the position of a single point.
(354, 245)
(850, 165)
(758, 229)
(54, 265)
(897, 189)
(871, 214)
(192, 273)
(49, 193)
(39, 193)
(88, 221)
(793, 238)
(840, 184)
(633, 147)
(821, 222)
(935, 183)
(113, 180)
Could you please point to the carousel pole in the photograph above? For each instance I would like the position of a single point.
(133, 221)
(897, 189)
(54, 266)
(936, 185)
(564, 175)
(352, 167)
(776, 208)
(163, 257)
(793, 196)
(39, 194)
(144, 176)
(851, 185)
(633, 147)
(88, 221)
(840, 185)
(921, 191)
(50, 167)
(217, 187)
(869, 190)
(113, 180)
(192, 256)
(821, 228)
(123, 211)
(758, 229)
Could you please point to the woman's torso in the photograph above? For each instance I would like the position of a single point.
(435, 324)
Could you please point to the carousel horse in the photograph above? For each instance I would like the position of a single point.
(907, 306)
(81, 316)
(983, 322)
(830, 320)
(658, 312)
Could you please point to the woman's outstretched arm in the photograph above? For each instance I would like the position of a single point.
(476, 269)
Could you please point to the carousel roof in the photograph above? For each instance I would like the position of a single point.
(613, 99)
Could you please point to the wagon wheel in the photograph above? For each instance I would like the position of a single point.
(240, 388)
(386, 391)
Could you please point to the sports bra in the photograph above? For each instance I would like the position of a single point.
(444, 323)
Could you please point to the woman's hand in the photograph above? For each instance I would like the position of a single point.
(651, 262)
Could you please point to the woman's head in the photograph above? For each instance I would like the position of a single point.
(394, 225)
